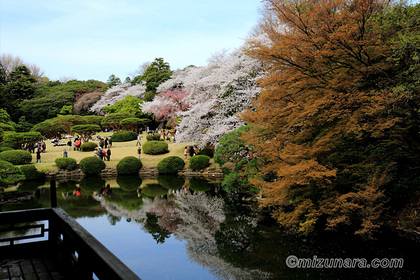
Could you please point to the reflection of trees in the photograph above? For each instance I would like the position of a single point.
(125, 199)
(113, 220)
(151, 225)
(205, 223)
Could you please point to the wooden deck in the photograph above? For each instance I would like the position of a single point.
(30, 268)
(49, 244)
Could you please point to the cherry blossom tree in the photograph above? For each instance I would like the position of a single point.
(216, 94)
(167, 104)
(118, 93)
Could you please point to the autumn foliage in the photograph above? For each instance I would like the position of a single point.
(336, 123)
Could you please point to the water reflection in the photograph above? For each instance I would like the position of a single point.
(226, 237)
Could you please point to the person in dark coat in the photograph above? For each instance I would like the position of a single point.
(38, 155)
(108, 154)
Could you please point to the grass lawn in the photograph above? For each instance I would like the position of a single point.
(119, 150)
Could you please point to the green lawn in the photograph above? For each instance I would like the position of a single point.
(119, 150)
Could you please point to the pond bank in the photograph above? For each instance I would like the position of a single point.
(212, 174)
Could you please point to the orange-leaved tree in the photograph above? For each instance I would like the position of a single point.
(338, 137)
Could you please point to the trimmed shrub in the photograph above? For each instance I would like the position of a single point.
(124, 136)
(88, 146)
(207, 152)
(170, 165)
(2, 149)
(31, 173)
(199, 162)
(155, 147)
(66, 163)
(9, 174)
(92, 165)
(128, 166)
(157, 137)
(16, 157)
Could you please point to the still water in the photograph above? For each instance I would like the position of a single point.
(175, 228)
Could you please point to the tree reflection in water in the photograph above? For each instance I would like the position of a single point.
(193, 216)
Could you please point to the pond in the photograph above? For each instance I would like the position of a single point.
(170, 227)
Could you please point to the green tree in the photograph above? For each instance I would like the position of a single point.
(129, 104)
(20, 139)
(93, 119)
(85, 130)
(131, 123)
(66, 110)
(113, 81)
(157, 72)
(66, 122)
(20, 86)
(113, 120)
(47, 128)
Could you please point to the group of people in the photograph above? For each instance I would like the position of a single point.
(104, 143)
(192, 151)
(102, 153)
(165, 135)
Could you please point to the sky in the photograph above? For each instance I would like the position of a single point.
(92, 39)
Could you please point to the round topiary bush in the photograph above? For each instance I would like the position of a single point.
(155, 147)
(88, 146)
(207, 152)
(124, 136)
(31, 173)
(199, 162)
(157, 137)
(129, 166)
(9, 174)
(92, 165)
(66, 163)
(170, 165)
(16, 157)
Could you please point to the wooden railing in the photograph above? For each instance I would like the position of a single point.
(76, 249)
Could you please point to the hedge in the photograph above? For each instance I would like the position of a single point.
(170, 165)
(128, 166)
(157, 137)
(88, 146)
(16, 157)
(92, 165)
(199, 162)
(124, 136)
(31, 173)
(155, 147)
(66, 163)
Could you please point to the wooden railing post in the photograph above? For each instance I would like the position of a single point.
(53, 192)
